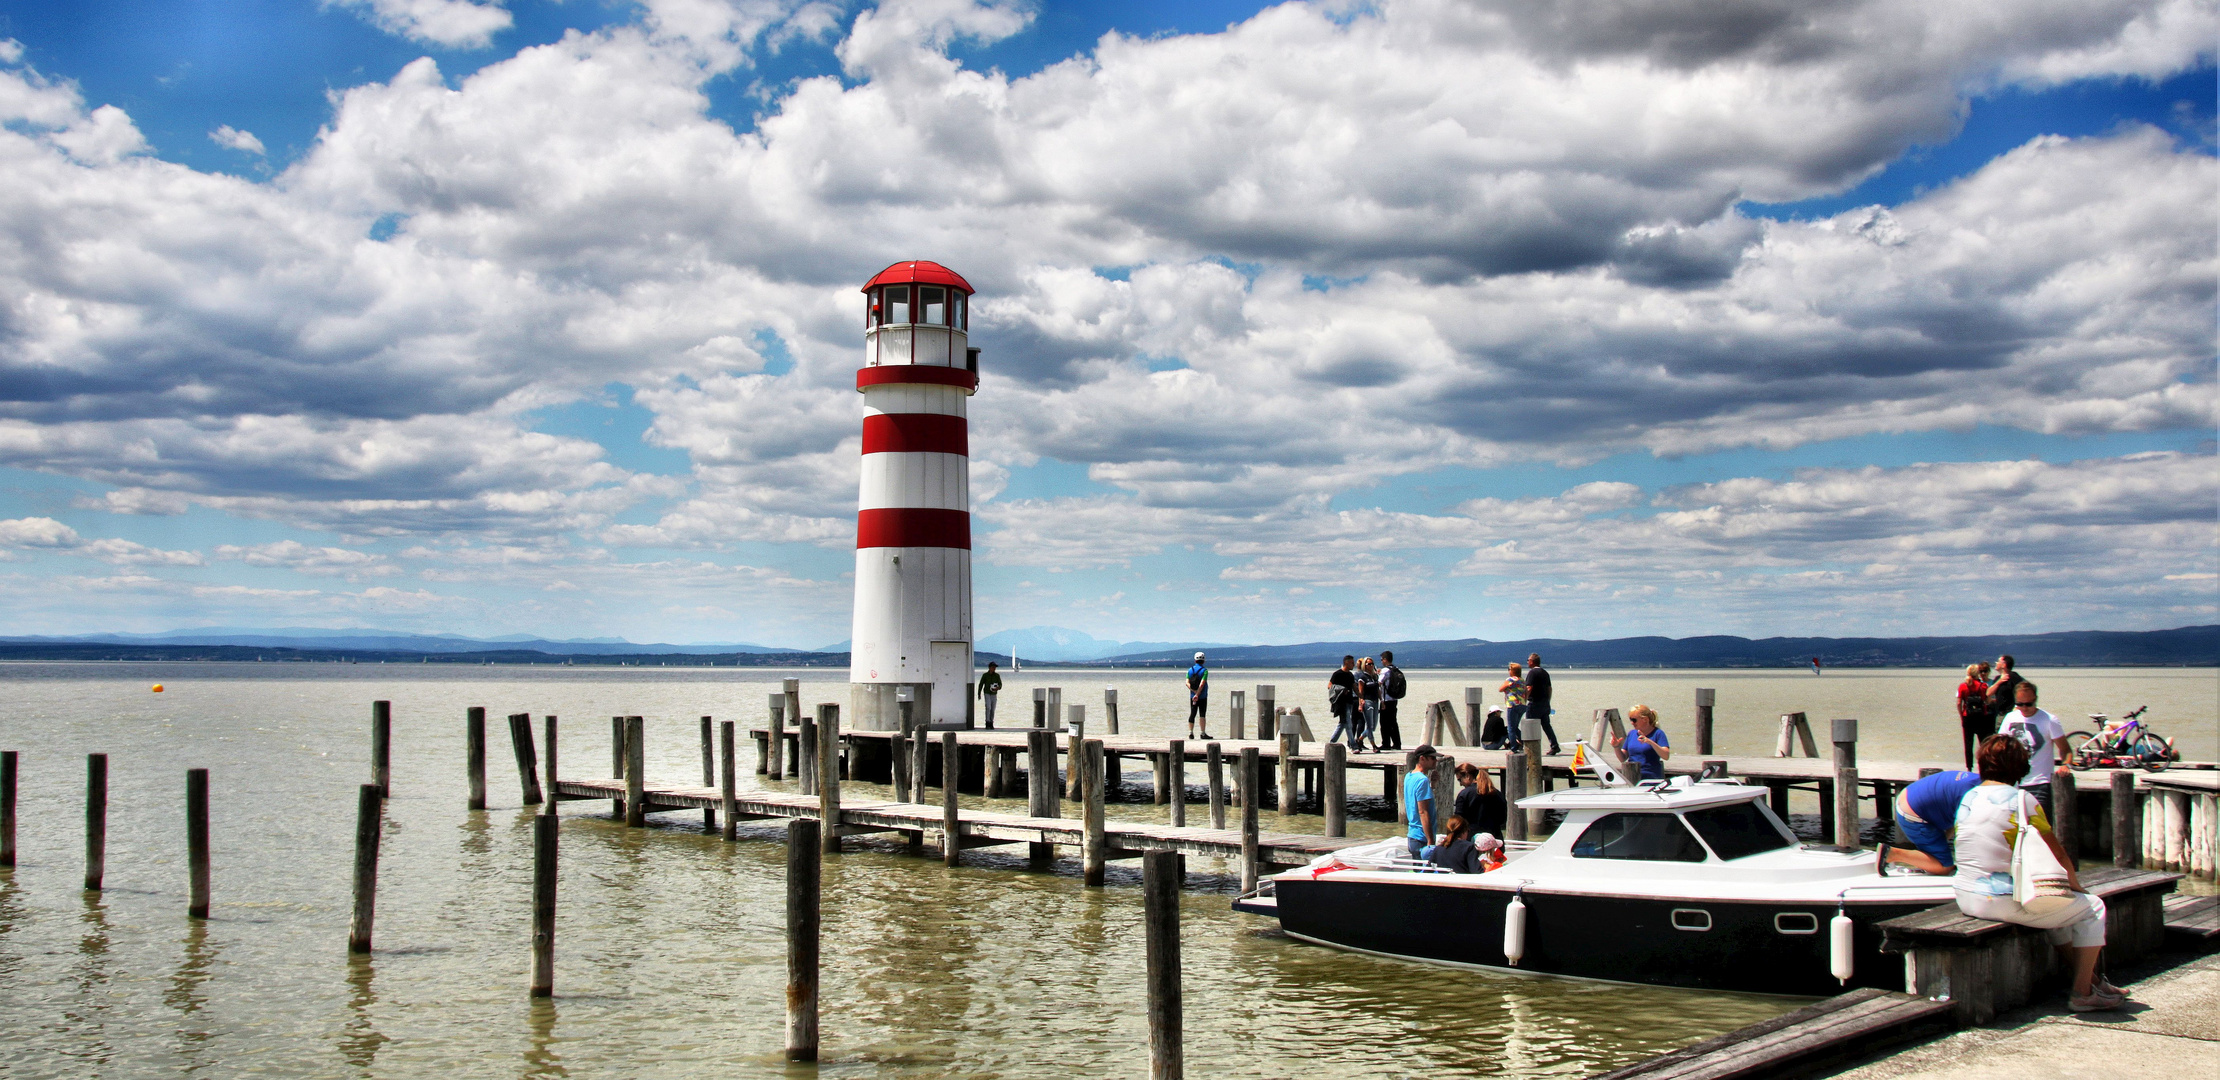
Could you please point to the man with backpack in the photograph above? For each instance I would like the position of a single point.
(1392, 688)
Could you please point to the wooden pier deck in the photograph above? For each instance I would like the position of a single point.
(976, 828)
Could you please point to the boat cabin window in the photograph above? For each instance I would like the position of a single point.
(1737, 830)
(1648, 837)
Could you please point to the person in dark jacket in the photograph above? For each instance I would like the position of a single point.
(1537, 698)
(2003, 693)
(1392, 688)
(1479, 801)
(1458, 856)
(1341, 697)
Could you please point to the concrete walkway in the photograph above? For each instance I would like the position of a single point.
(2171, 1030)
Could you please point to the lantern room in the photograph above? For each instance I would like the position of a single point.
(918, 312)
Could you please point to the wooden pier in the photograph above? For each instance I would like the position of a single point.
(975, 828)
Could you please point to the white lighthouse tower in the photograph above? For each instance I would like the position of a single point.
(913, 521)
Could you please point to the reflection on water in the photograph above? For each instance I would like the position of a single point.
(670, 954)
(360, 1038)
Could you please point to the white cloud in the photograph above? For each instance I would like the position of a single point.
(457, 24)
(232, 138)
(45, 533)
(294, 555)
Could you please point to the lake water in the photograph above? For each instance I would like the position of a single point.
(670, 955)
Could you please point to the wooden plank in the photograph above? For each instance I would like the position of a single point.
(2196, 916)
(1840, 1028)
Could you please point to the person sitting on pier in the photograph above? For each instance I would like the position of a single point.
(1927, 811)
(1456, 854)
(1479, 802)
(1645, 747)
(1988, 821)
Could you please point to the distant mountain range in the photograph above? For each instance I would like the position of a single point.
(1061, 645)
(317, 638)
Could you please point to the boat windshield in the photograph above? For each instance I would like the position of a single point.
(1650, 837)
(1737, 830)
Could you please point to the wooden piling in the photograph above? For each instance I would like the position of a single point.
(1249, 781)
(527, 759)
(792, 692)
(1846, 808)
(1041, 788)
(548, 766)
(1514, 789)
(898, 754)
(543, 904)
(1160, 881)
(1215, 766)
(1537, 781)
(828, 774)
(635, 771)
(1160, 777)
(1444, 780)
(921, 761)
(804, 924)
(729, 791)
(96, 820)
(997, 769)
(1705, 699)
(806, 752)
(1236, 719)
(381, 747)
(774, 762)
(617, 759)
(1110, 708)
(198, 875)
(1267, 698)
(1290, 745)
(368, 811)
(2127, 831)
(2066, 799)
(1175, 769)
(1336, 793)
(950, 820)
(9, 763)
(1075, 739)
(708, 772)
(474, 754)
(1094, 856)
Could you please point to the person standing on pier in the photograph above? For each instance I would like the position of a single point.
(1368, 703)
(1538, 697)
(990, 687)
(2045, 740)
(1392, 688)
(1341, 700)
(1418, 800)
(1513, 690)
(1976, 720)
(2003, 692)
(1198, 697)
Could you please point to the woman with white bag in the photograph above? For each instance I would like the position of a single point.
(2011, 869)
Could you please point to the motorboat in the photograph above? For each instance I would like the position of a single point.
(1692, 882)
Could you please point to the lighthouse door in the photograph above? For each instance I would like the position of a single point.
(951, 672)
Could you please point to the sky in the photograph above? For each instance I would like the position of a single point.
(1338, 320)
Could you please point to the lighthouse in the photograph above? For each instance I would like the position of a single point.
(913, 516)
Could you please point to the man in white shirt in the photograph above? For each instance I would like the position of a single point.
(2045, 739)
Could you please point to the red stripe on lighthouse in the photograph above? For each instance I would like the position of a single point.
(925, 374)
(916, 433)
(913, 526)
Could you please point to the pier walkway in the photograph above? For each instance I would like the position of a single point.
(975, 828)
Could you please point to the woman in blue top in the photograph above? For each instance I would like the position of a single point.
(1646, 747)
(1927, 811)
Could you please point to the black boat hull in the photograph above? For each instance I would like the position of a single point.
(1630, 939)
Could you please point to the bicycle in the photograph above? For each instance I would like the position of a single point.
(2128, 744)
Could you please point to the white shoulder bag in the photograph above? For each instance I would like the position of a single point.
(2039, 881)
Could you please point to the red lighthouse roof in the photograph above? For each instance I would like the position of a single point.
(931, 273)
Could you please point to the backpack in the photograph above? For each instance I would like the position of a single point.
(1394, 685)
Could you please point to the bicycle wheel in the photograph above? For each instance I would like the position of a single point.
(2153, 752)
(2077, 756)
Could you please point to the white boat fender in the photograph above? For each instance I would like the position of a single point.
(1842, 958)
(1514, 929)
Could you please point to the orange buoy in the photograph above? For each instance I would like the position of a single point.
(157, 688)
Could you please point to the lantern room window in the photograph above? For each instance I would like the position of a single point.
(932, 305)
(874, 314)
(897, 303)
(957, 314)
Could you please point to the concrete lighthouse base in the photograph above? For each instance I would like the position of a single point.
(877, 707)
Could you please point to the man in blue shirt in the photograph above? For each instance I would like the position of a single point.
(1198, 697)
(1927, 811)
(1418, 799)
